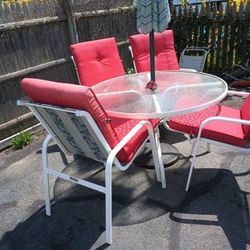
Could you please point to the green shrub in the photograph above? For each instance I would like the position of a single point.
(21, 140)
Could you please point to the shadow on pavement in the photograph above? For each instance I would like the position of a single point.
(221, 198)
(77, 220)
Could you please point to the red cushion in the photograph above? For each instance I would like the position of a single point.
(97, 60)
(123, 126)
(230, 133)
(83, 98)
(245, 115)
(165, 54)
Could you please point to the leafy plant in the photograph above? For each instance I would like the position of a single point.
(21, 140)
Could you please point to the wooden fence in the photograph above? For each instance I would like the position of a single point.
(225, 30)
(35, 36)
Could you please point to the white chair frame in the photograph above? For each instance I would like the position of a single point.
(195, 141)
(76, 70)
(132, 56)
(111, 157)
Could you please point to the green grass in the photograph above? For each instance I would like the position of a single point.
(21, 140)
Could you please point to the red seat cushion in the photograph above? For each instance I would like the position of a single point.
(165, 54)
(226, 132)
(245, 115)
(123, 126)
(97, 60)
(83, 98)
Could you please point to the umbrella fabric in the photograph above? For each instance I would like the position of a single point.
(152, 15)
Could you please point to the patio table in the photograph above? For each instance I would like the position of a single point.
(177, 93)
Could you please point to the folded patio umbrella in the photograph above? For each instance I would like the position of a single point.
(152, 15)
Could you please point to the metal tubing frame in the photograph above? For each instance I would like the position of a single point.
(76, 69)
(133, 59)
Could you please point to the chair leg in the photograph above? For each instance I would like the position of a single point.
(153, 142)
(208, 147)
(161, 165)
(108, 202)
(46, 175)
(157, 155)
(153, 147)
(193, 154)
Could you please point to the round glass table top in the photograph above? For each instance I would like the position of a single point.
(177, 93)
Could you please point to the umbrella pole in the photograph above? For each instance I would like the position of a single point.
(152, 55)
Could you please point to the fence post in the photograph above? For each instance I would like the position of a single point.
(68, 9)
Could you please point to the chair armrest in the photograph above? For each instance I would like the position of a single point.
(237, 93)
(125, 140)
(224, 119)
(220, 118)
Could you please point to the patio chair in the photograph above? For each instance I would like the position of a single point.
(193, 58)
(165, 54)
(220, 125)
(76, 121)
(96, 61)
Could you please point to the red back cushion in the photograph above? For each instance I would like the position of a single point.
(97, 60)
(165, 54)
(70, 96)
(245, 115)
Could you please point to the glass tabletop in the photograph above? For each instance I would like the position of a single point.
(177, 93)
